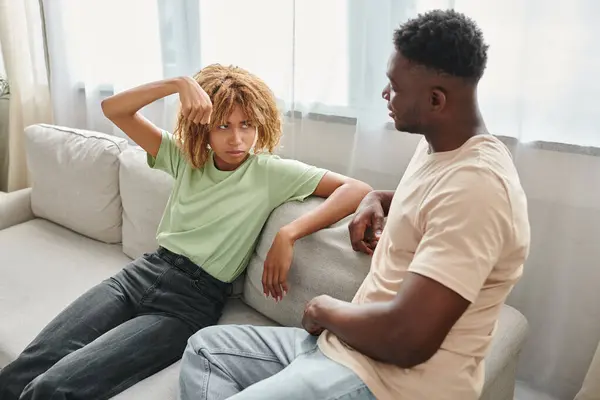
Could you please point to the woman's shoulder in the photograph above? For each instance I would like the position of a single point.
(267, 156)
(266, 160)
(276, 163)
(276, 160)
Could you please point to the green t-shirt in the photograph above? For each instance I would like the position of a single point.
(214, 217)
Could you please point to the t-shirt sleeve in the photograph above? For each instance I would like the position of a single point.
(292, 180)
(467, 222)
(169, 157)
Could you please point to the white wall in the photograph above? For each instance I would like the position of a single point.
(560, 290)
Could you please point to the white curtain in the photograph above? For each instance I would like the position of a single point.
(326, 62)
(25, 63)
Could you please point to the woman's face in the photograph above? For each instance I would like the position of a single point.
(232, 141)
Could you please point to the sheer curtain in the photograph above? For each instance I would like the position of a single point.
(326, 62)
(24, 60)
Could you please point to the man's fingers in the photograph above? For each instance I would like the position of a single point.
(377, 225)
(357, 233)
(373, 244)
(363, 247)
(368, 250)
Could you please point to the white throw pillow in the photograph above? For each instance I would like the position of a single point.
(75, 179)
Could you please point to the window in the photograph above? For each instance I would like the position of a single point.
(330, 57)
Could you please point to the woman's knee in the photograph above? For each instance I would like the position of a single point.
(46, 386)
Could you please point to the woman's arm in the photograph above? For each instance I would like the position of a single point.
(123, 109)
(343, 195)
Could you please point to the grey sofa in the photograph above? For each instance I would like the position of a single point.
(94, 205)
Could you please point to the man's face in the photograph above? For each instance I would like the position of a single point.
(406, 95)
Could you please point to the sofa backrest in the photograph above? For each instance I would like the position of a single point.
(144, 194)
(324, 263)
(75, 179)
(98, 186)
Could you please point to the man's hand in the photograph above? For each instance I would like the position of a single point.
(277, 266)
(311, 311)
(367, 224)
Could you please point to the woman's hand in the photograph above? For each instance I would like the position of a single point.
(277, 266)
(196, 106)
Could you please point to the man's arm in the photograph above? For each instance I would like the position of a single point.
(467, 222)
(405, 332)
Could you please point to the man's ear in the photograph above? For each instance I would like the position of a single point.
(437, 99)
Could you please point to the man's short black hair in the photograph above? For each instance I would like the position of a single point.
(445, 41)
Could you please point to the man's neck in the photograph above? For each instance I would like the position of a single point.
(453, 133)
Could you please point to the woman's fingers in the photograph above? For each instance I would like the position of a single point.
(276, 285)
(264, 280)
(207, 114)
(198, 114)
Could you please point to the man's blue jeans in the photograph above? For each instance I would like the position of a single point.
(266, 363)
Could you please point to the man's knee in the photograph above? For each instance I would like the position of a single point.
(195, 363)
(210, 338)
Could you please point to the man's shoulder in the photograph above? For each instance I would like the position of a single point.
(486, 161)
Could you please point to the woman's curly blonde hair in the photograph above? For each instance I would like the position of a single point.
(228, 87)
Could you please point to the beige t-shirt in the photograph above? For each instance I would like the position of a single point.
(459, 218)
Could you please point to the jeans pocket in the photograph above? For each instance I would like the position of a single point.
(209, 292)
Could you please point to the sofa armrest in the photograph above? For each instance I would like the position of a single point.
(508, 341)
(15, 208)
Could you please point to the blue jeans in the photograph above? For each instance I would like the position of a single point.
(121, 331)
(266, 363)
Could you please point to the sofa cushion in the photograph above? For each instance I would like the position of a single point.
(36, 286)
(75, 179)
(44, 268)
(324, 263)
(144, 194)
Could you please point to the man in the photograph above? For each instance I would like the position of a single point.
(454, 245)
